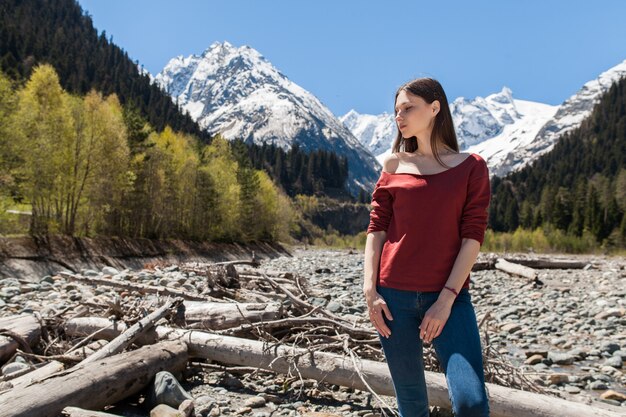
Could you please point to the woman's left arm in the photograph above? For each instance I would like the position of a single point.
(437, 315)
(465, 260)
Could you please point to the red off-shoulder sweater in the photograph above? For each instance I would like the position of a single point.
(426, 217)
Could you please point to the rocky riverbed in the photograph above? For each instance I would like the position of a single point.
(566, 334)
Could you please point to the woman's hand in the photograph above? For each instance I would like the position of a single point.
(376, 305)
(434, 320)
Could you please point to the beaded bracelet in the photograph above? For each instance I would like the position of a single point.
(456, 294)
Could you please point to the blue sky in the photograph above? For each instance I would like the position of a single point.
(354, 54)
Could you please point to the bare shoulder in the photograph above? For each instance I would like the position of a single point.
(390, 163)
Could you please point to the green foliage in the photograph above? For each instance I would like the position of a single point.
(85, 166)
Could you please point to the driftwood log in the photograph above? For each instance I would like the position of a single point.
(21, 331)
(140, 288)
(216, 316)
(96, 384)
(515, 269)
(118, 344)
(530, 263)
(79, 412)
(346, 371)
(548, 263)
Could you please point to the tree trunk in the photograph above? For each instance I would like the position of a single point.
(96, 384)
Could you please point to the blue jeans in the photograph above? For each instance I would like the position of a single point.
(458, 350)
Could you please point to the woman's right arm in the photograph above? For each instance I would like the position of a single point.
(373, 249)
(380, 218)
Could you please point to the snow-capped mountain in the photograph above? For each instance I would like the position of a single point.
(509, 133)
(498, 126)
(376, 132)
(568, 116)
(238, 93)
(498, 120)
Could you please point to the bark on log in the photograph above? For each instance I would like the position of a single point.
(96, 384)
(216, 316)
(340, 370)
(25, 327)
(515, 269)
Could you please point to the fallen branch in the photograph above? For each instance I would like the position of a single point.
(140, 288)
(122, 341)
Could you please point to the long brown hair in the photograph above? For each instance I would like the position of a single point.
(443, 128)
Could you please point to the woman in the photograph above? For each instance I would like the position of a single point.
(427, 223)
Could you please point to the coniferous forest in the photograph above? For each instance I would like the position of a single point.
(577, 189)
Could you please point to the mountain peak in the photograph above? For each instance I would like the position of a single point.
(236, 92)
(503, 96)
(220, 49)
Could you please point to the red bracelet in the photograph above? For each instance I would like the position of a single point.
(456, 294)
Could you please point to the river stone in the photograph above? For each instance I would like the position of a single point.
(614, 361)
(254, 402)
(571, 389)
(597, 385)
(533, 360)
(318, 301)
(163, 410)
(621, 354)
(558, 379)
(9, 368)
(186, 408)
(9, 292)
(204, 404)
(561, 358)
(47, 279)
(609, 347)
(613, 395)
(611, 312)
(109, 270)
(511, 327)
(334, 307)
(167, 390)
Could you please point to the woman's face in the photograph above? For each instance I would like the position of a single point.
(414, 114)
